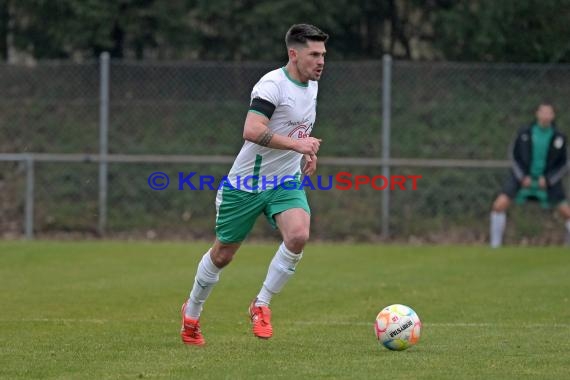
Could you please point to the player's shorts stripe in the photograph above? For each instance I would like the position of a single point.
(256, 170)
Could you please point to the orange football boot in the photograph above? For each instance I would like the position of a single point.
(190, 331)
(260, 320)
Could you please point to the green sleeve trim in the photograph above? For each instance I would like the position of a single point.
(259, 113)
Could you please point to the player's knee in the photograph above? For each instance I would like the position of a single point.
(297, 239)
(564, 210)
(222, 256)
(221, 260)
(501, 203)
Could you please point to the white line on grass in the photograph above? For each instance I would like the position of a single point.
(292, 322)
(436, 324)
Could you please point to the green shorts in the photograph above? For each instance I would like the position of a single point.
(237, 210)
(533, 193)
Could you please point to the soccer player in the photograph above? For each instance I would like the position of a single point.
(278, 148)
(538, 164)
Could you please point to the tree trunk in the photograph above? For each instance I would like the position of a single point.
(4, 29)
(118, 37)
(397, 30)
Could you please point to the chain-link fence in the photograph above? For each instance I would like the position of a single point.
(447, 121)
(469, 112)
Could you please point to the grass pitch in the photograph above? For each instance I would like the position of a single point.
(111, 311)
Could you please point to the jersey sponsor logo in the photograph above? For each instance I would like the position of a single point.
(291, 123)
(301, 129)
(300, 132)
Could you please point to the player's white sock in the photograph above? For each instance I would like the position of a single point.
(567, 224)
(567, 236)
(498, 223)
(207, 276)
(280, 270)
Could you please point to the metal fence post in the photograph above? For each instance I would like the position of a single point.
(29, 206)
(104, 62)
(386, 119)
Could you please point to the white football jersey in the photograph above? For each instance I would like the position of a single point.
(294, 116)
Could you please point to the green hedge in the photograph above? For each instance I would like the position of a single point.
(438, 111)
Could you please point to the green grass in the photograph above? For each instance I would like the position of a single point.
(110, 310)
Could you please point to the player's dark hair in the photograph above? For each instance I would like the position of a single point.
(546, 103)
(299, 34)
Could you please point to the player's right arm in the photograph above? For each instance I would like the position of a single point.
(256, 130)
(516, 148)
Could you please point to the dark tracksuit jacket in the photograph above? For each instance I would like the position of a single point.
(556, 161)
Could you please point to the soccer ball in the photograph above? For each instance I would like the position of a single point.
(397, 327)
